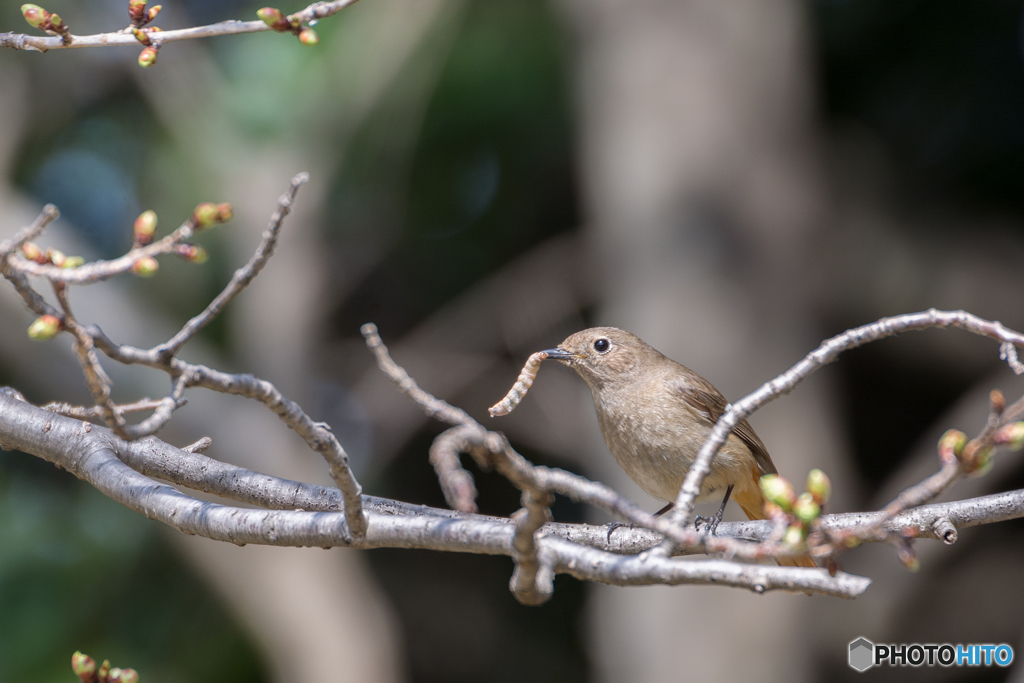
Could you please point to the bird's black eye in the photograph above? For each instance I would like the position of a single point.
(602, 345)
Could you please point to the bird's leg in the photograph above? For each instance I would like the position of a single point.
(712, 522)
(615, 525)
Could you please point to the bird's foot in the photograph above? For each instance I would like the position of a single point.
(615, 525)
(710, 524)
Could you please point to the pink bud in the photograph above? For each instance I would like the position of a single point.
(147, 57)
(308, 37)
(144, 228)
(42, 328)
(145, 267)
(34, 15)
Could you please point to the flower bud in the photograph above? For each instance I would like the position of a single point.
(308, 37)
(32, 252)
(73, 262)
(951, 445)
(153, 11)
(55, 256)
(981, 462)
(908, 556)
(794, 535)
(145, 227)
(274, 18)
(997, 401)
(104, 669)
(35, 15)
(136, 10)
(44, 327)
(819, 486)
(805, 509)
(225, 212)
(193, 253)
(205, 215)
(57, 24)
(129, 676)
(147, 57)
(83, 666)
(145, 267)
(114, 676)
(141, 36)
(778, 490)
(1012, 434)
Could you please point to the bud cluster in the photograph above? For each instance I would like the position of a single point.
(797, 512)
(85, 668)
(32, 252)
(276, 19)
(208, 213)
(39, 18)
(139, 15)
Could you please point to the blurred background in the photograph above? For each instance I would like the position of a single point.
(732, 180)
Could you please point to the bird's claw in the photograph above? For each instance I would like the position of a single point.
(710, 524)
(613, 526)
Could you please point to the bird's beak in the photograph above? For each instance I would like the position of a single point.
(559, 353)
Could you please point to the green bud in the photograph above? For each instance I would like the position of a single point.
(153, 11)
(32, 252)
(145, 267)
(951, 444)
(104, 669)
(56, 24)
(794, 535)
(308, 37)
(55, 256)
(141, 36)
(73, 262)
(982, 462)
(129, 676)
(114, 676)
(193, 253)
(274, 18)
(205, 215)
(778, 490)
(805, 508)
(225, 212)
(44, 327)
(147, 57)
(83, 666)
(136, 10)
(819, 486)
(34, 15)
(1012, 434)
(145, 227)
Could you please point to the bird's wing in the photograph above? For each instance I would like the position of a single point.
(704, 397)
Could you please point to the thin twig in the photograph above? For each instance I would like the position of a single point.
(95, 412)
(98, 271)
(531, 582)
(22, 41)
(96, 378)
(48, 215)
(456, 483)
(242, 277)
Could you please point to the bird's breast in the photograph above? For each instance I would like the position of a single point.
(655, 442)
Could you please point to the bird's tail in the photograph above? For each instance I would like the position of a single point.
(752, 502)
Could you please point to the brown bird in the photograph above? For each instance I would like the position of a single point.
(655, 414)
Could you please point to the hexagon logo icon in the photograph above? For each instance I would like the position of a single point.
(862, 654)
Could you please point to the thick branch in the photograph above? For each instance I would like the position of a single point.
(827, 352)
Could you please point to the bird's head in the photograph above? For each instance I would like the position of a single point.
(603, 355)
